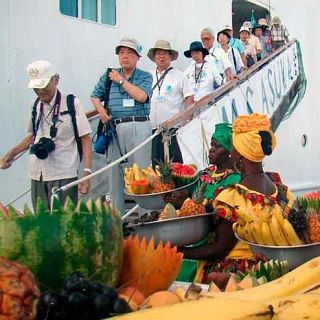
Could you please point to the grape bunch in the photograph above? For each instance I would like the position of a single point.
(82, 300)
(299, 221)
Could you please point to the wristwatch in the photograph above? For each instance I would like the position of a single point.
(121, 82)
(87, 170)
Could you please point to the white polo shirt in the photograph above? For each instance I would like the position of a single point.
(168, 98)
(218, 57)
(235, 59)
(64, 161)
(203, 78)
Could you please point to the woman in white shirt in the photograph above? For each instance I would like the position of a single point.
(233, 55)
(203, 75)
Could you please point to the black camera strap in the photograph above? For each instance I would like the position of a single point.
(55, 116)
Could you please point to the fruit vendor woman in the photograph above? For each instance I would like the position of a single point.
(257, 191)
(219, 174)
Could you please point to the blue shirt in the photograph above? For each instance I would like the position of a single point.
(139, 78)
(236, 44)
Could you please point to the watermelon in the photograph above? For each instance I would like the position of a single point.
(183, 174)
(86, 238)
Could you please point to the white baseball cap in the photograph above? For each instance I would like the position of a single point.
(40, 73)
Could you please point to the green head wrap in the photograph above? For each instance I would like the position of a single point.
(223, 134)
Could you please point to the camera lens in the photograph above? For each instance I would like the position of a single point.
(43, 148)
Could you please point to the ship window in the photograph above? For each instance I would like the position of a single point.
(108, 12)
(89, 9)
(102, 11)
(69, 7)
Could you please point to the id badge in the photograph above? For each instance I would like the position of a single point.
(159, 99)
(128, 103)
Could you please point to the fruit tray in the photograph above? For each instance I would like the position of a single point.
(154, 201)
(180, 231)
(295, 255)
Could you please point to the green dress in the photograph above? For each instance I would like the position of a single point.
(214, 181)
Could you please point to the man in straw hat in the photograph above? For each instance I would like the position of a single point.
(58, 137)
(279, 33)
(171, 94)
(129, 107)
(263, 33)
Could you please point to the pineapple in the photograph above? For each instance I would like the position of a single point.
(313, 225)
(164, 181)
(194, 205)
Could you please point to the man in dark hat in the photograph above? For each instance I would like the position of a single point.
(203, 75)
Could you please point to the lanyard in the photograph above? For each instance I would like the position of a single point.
(160, 79)
(198, 76)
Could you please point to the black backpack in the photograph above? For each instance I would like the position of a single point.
(71, 111)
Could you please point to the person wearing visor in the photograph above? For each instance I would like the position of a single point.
(58, 137)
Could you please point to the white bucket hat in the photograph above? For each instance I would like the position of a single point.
(163, 45)
(263, 22)
(227, 27)
(130, 43)
(40, 73)
(244, 29)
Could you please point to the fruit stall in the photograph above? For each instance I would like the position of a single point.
(74, 262)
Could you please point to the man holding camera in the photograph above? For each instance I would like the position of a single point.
(58, 136)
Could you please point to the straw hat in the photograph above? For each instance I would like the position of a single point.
(163, 45)
(129, 43)
(276, 20)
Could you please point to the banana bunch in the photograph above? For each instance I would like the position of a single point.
(294, 296)
(269, 228)
(134, 173)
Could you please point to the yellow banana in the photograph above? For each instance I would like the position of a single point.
(264, 214)
(239, 229)
(136, 172)
(277, 232)
(256, 231)
(244, 214)
(290, 233)
(204, 309)
(248, 234)
(266, 234)
(145, 173)
(293, 282)
(151, 171)
(300, 306)
(277, 212)
(314, 288)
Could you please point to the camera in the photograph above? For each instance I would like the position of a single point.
(43, 147)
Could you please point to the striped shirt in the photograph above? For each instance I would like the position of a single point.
(279, 33)
(139, 78)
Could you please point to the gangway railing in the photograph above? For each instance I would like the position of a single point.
(182, 117)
